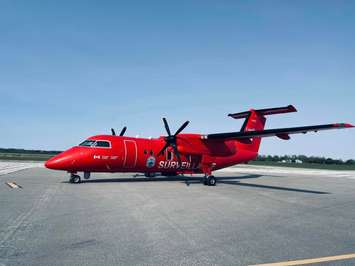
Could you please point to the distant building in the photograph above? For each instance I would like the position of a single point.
(291, 161)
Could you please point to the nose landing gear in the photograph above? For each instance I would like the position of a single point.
(209, 180)
(74, 179)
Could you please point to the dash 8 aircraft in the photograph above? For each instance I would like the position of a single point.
(177, 153)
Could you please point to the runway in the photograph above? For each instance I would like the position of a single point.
(251, 217)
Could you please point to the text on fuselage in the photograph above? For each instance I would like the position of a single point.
(173, 165)
(105, 157)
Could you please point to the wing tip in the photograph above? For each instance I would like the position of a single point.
(343, 125)
(292, 108)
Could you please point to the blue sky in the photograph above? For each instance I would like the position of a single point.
(71, 69)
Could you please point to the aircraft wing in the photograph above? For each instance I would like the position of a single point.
(282, 133)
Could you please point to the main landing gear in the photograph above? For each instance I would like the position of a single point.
(209, 180)
(75, 179)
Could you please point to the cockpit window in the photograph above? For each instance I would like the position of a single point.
(102, 143)
(87, 143)
(96, 143)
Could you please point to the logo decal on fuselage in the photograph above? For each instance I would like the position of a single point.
(150, 162)
(173, 165)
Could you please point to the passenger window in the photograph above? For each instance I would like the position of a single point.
(169, 156)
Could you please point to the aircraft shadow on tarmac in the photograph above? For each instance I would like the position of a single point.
(141, 178)
(228, 180)
(273, 187)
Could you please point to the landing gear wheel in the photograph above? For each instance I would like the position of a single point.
(75, 179)
(211, 181)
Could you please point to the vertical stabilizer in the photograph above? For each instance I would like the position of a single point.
(255, 121)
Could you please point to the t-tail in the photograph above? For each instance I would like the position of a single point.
(255, 121)
(249, 136)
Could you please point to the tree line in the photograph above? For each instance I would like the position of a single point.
(23, 151)
(303, 159)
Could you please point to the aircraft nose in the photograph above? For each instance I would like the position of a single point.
(52, 163)
(60, 162)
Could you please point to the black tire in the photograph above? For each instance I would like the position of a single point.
(211, 181)
(75, 179)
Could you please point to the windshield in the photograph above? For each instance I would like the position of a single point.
(87, 143)
(96, 143)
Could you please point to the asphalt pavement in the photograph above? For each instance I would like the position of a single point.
(122, 219)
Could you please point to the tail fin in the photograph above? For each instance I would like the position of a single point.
(255, 121)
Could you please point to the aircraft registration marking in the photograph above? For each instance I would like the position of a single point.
(105, 157)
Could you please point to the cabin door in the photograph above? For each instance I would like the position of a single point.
(130, 154)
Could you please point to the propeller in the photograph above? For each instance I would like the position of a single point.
(170, 140)
(121, 133)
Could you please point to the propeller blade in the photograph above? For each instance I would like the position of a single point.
(123, 131)
(177, 155)
(182, 128)
(170, 141)
(113, 132)
(163, 149)
(166, 126)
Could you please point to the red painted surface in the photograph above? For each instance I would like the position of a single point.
(131, 155)
(198, 154)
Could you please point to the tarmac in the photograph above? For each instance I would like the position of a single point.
(254, 215)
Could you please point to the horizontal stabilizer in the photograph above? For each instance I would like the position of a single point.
(282, 133)
(267, 111)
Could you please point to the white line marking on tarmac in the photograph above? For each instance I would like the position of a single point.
(13, 185)
(7, 167)
(310, 261)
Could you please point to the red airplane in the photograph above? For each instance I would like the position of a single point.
(178, 153)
